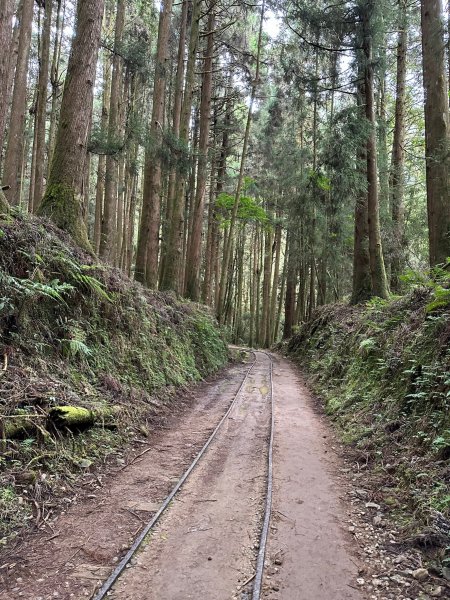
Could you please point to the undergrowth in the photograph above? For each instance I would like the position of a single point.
(383, 371)
(77, 333)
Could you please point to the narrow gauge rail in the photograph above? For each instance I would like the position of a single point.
(259, 572)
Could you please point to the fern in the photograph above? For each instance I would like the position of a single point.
(75, 345)
(92, 284)
(27, 288)
(78, 274)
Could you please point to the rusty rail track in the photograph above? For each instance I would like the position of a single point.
(107, 586)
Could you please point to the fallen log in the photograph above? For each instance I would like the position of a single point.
(76, 417)
(59, 418)
(16, 426)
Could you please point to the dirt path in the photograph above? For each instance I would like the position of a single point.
(206, 543)
(309, 555)
(204, 548)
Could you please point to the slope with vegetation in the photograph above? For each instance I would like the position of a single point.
(383, 371)
(82, 345)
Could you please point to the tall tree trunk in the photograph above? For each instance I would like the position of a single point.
(281, 298)
(108, 241)
(209, 249)
(237, 197)
(437, 130)
(54, 79)
(63, 200)
(14, 150)
(148, 242)
(171, 277)
(377, 268)
(6, 19)
(291, 284)
(41, 109)
(267, 277)
(275, 286)
(397, 179)
(176, 121)
(362, 286)
(101, 167)
(194, 251)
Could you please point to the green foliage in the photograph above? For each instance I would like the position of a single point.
(78, 275)
(13, 512)
(437, 280)
(249, 209)
(75, 345)
(19, 289)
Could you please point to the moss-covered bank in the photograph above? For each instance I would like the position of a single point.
(383, 371)
(75, 333)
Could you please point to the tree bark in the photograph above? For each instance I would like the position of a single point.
(397, 178)
(291, 284)
(108, 239)
(171, 278)
(176, 122)
(14, 150)
(362, 285)
(55, 81)
(41, 109)
(148, 242)
(194, 250)
(6, 19)
(63, 200)
(101, 167)
(437, 130)
(377, 268)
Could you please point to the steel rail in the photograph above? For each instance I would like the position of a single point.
(108, 584)
(257, 584)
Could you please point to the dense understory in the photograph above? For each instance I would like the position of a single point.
(76, 333)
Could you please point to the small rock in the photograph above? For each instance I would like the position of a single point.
(373, 505)
(278, 561)
(420, 574)
(401, 558)
(398, 579)
(276, 588)
(377, 520)
(352, 529)
(377, 582)
(436, 592)
(360, 581)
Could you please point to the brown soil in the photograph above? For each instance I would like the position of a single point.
(205, 544)
(308, 556)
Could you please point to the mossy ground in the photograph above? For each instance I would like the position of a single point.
(75, 333)
(383, 371)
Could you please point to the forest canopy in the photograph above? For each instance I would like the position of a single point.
(262, 158)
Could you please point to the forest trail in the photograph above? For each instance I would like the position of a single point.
(205, 544)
